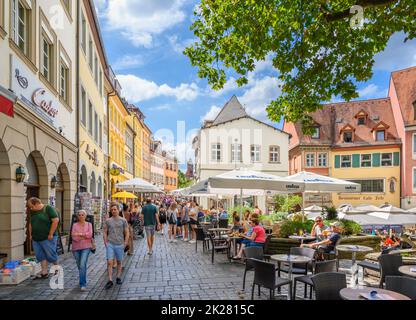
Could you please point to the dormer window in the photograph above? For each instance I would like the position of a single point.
(347, 133)
(347, 136)
(380, 131)
(380, 135)
(361, 117)
(316, 133)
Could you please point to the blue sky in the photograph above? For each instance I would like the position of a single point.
(144, 42)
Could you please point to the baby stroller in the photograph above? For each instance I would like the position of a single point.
(138, 229)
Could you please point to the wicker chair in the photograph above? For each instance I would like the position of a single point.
(201, 235)
(328, 285)
(319, 267)
(223, 223)
(266, 251)
(219, 245)
(389, 265)
(403, 285)
(265, 276)
(251, 253)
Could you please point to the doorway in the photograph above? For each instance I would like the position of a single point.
(31, 191)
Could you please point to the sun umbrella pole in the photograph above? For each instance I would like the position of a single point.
(241, 204)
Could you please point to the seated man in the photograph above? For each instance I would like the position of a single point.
(318, 228)
(390, 243)
(327, 245)
(223, 214)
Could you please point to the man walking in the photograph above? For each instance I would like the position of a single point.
(116, 237)
(43, 232)
(151, 222)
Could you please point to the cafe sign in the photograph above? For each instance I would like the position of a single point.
(93, 155)
(39, 99)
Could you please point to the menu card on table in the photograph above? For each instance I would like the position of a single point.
(378, 296)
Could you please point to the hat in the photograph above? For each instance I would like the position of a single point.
(336, 224)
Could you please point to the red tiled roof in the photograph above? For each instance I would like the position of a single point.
(405, 84)
(335, 117)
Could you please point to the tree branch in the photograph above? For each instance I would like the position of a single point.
(363, 3)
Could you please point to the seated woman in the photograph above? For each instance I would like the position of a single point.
(256, 238)
(389, 244)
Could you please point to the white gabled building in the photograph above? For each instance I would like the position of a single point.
(236, 140)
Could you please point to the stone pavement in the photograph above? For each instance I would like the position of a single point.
(174, 271)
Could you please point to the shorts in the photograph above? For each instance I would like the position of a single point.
(325, 249)
(193, 222)
(179, 222)
(255, 244)
(115, 250)
(150, 230)
(46, 250)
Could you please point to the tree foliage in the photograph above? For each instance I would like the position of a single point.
(317, 53)
(183, 181)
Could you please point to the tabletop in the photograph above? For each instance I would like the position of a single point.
(290, 258)
(353, 248)
(355, 294)
(406, 270)
(219, 229)
(302, 237)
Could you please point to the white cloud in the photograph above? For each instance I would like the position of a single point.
(140, 20)
(163, 107)
(372, 91)
(211, 114)
(397, 55)
(179, 45)
(128, 61)
(259, 94)
(136, 89)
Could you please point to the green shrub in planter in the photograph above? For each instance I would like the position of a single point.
(331, 213)
(289, 227)
(351, 227)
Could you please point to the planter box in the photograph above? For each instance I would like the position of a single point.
(17, 276)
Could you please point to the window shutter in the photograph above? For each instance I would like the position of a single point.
(376, 159)
(337, 161)
(355, 160)
(396, 158)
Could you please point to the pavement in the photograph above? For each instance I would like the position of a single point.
(174, 271)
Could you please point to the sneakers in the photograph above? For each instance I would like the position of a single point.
(109, 284)
(175, 240)
(83, 289)
(150, 252)
(185, 240)
(192, 241)
(118, 281)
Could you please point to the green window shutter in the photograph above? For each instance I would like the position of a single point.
(337, 161)
(396, 158)
(376, 159)
(355, 160)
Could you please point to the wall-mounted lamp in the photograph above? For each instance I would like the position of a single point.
(20, 174)
(54, 181)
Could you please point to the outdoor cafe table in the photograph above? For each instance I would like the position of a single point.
(407, 270)
(219, 230)
(353, 249)
(302, 238)
(235, 243)
(290, 259)
(355, 294)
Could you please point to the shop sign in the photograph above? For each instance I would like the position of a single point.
(93, 155)
(116, 170)
(361, 198)
(39, 99)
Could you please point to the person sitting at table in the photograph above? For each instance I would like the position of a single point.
(327, 245)
(389, 244)
(317, 229)
(257, 238)
(223, 213)
(237, 226)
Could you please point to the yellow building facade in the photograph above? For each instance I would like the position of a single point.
(92, 104)
(376, 169)
(146, 162)
(136, 122)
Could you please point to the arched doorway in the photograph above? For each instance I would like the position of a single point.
(93, 185)
(83, 180)
(5, 199)
(36, 186)
(63, 197)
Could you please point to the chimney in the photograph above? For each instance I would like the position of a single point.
(208, 123)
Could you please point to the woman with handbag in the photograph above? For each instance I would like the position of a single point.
(82, 245)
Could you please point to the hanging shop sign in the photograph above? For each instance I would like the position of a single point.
(93, 155)
(115, 170)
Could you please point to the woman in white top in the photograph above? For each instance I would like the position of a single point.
(193, 220)
(171, 217)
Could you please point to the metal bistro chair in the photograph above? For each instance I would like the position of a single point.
(403, 285)
(201, 235)
(319, 267)
(265, 276)
(328, 285)
(223, 223)
(251, 253)
(298, 268)
(389, 265)
(267, 252)
(333, 253)
(219, 245)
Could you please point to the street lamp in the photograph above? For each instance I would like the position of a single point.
(20, 174)
(54, 181)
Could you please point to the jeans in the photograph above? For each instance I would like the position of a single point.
(81, 257)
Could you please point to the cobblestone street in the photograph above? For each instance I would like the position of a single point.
(174, 271)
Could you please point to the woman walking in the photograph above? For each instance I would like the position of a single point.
(162, 218)
(171, 217)
(81, 246)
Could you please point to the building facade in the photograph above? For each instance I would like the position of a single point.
(170, 173)
(402, 94)
(236, 140)
(146, 158)
(38, 114)
(157, 164)
(137, 122)
(355, 141)
(93, 107)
